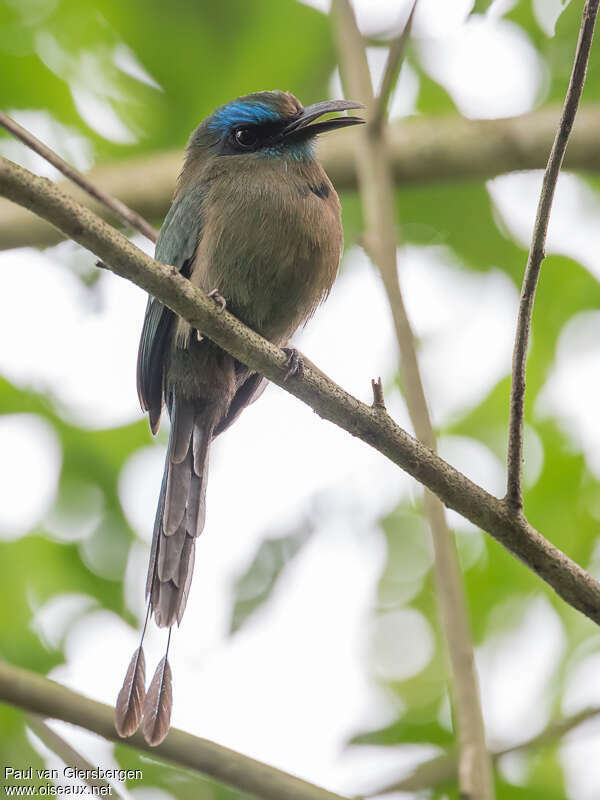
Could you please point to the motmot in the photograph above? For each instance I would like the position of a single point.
(256, 223)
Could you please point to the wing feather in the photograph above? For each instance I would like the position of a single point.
(176, 246)
(250, 387)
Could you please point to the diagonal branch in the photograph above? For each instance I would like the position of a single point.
(129, 216)
(443, 769)
(514, 492)
(377, 191)
(39, 695)
(66, 753)
(330, 401)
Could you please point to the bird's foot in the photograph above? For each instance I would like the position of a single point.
(219, 299)
(221, 303)
(294, 362)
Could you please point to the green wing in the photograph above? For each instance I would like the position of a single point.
(176, 246)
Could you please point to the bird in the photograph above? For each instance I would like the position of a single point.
(255, 222)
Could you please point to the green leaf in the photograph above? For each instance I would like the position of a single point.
(253, 588)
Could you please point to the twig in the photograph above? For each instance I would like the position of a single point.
(116, 206)
(378, 398)
(377, 191)
(66, 753)
(391, 73)
(555, 730)
(39, 695)
(330, 401)
(514, 491)
(442, 769)
(421, 150)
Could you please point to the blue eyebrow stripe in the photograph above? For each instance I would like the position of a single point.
(242, 113)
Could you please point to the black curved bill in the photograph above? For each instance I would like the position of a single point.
(305, 123)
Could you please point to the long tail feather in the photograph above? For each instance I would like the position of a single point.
(185, 574)
(178, 488)
(181, 512)
(170, 555)
(182, 423)
(158, 704)
(128, 712)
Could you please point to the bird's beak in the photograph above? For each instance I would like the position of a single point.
(305, 124)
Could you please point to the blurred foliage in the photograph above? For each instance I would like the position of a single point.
(198, 55)
(255, 585)
(52, 48)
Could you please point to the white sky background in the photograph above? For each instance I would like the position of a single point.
(262, 690)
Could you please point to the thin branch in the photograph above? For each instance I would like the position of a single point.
(330, 401)
(66, 753)
(128, 216)
(555, 730)
(391, 74)
(443, 769)
(39, 695)
(377, 191)
(514, 491)
(420, 150)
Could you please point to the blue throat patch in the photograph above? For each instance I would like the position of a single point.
(299, 151)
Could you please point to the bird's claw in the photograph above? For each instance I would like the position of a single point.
(221, 303)
(219, 299)
(294, 362)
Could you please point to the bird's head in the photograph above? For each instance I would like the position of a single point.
(268, 124)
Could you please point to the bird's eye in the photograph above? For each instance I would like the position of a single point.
(245, 137)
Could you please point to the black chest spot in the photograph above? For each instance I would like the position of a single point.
(320, 189)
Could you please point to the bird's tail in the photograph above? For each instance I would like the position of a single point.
(179, 520)
(181, 511)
